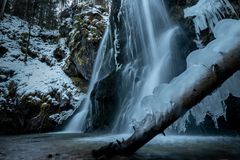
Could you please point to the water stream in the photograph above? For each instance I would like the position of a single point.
(152, 57)
(78, 123)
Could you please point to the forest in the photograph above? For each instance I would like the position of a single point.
(120, 79)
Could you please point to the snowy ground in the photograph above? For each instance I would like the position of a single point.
(37, 74)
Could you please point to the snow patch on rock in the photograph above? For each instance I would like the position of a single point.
(41, 73)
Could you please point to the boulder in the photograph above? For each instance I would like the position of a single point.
(3, 50)
(31, 113)
(233, 113)
(59, 54)
(104, 102)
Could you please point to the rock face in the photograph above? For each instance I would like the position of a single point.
(3, 50)
(176, 11)
(30, 115)
(104, 102)
(233, 113)
(35, 94)
(84, 26)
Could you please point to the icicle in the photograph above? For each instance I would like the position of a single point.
(116, 46)
(208, 12)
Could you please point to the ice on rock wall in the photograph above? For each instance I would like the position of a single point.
(198, 64)
(207, 13)
(227, 34)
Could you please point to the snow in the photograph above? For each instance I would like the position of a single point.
(207, 13)
(227, 33)
(199, 63)
(34, 75)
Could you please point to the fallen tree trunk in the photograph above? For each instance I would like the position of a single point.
(210, 75)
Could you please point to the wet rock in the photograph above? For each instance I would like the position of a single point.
(59, 54)
(3, 50)
(11, 120)
(191, 125)
(32, 113)
(3, 78)
(225, 125)
(222, 125)
(49, 36)
(50, 156)
(176, 12)
(208, 125)
(42, 122)
(66, 26)
(104, 102)
(233, 112)
(47, 60)
(101, 2)
(12, 90)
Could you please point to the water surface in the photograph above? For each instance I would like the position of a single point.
(79, 146)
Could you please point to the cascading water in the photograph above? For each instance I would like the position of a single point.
(78, 123)
(152, 57)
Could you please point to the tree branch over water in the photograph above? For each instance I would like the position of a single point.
(214, 65)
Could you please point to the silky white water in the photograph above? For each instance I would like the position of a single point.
(151, 56)
(78, 123)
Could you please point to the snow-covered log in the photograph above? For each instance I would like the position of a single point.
(207, 69)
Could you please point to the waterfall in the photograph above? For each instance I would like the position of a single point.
(78, 123)
(148, 51)
(152, 58)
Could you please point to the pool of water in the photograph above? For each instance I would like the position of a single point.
(79, 146)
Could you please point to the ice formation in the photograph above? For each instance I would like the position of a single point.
(207, 13)
(198, 64)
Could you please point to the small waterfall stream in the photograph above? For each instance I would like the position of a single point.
(153, 60)
(78, 123)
